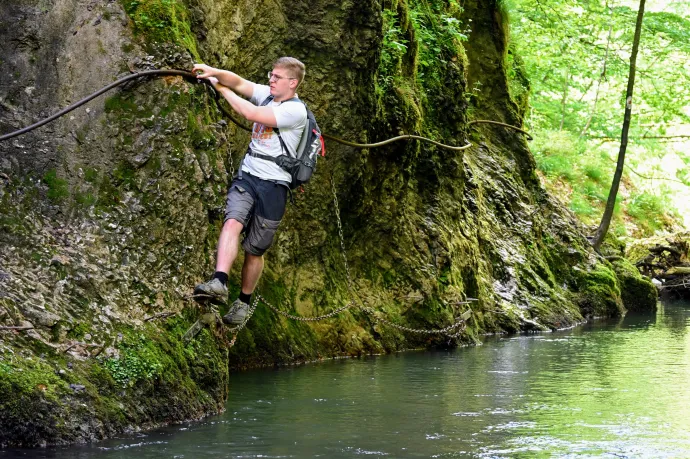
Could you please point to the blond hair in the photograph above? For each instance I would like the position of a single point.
(292, 65)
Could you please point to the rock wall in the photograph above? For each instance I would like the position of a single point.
(109, 216)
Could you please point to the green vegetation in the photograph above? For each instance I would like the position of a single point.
(58, 189)
(138, 360)
(652, 212)
(599, 293)
(420, 39)
(576, 56)
(637, 292)
(439, 34)
(162, 21)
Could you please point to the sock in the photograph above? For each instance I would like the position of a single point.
(245, 297)
(221, 276)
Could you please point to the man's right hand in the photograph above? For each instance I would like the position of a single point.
(226, 78)
(204, 71)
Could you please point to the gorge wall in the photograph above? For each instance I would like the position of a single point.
(109, 216)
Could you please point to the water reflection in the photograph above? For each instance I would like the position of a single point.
(607, 389)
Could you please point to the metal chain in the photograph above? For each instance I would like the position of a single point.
(371, 311)
(424, 331)
(250, 312)
(306, 319)
(236, 331)
(232, 166)
(336, 209)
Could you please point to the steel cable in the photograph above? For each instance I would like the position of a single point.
(190, 75)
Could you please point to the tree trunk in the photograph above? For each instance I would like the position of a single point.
(565, 96)
(613, 193)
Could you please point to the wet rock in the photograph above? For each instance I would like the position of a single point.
(41, 317)
(60, 260)
(638, 293)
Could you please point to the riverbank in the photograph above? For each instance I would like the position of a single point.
(607, 387)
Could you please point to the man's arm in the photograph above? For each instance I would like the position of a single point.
(253, 113)
(226, 78)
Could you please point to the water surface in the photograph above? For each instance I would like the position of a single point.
(606, 389)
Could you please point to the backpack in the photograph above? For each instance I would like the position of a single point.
(302, 164)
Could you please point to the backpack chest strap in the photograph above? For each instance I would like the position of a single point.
(261, 156)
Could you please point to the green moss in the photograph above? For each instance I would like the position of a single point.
(138, 360)
(150, 359)
(119, 102)
(58, 189)
(124, 174)
(85, 199)
(268, 337)
(90, 174)
(637, 292)
(199, 135)
(29, 406)
(518, 82)
(599, 293)
(162, 21)
(30, 376)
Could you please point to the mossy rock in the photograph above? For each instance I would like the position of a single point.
(599, 293)
(638, 293)
(639, 249)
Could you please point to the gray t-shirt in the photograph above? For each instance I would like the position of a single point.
(291, 118)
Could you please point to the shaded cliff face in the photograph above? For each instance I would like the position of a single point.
(109, 216)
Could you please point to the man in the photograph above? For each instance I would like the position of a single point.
(257, 196)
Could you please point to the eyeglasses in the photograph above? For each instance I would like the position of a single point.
(273, 76)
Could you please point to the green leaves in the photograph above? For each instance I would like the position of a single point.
(437, 34)
(576, 55)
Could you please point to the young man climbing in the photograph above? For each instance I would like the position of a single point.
(258, 194)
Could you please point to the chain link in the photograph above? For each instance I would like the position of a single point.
(422, 331)
(335, 312)
(336, 209)
(236, 331)
(232, 166)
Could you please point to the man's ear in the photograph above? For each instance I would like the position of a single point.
(294, 84)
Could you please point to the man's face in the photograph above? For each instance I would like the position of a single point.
(281, 81)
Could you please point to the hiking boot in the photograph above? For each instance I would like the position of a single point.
(237, 313)
(213, 291)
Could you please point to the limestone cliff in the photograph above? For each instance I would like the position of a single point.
(109, 216)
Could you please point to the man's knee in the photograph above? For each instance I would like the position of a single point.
(233, 226)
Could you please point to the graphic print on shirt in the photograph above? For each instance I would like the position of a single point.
(262, 133)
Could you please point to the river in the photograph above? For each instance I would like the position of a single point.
(606, 389)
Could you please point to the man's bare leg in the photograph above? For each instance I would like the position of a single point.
(251, 272)
(228, 244)
(216, 290)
